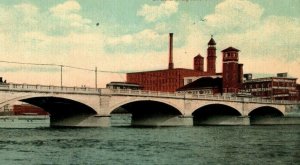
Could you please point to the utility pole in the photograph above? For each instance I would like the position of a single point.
(61, 70)
(96, 77)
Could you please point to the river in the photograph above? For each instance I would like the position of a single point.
(154, 145)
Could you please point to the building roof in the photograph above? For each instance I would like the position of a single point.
(267, 79)
(123, 83)
(230, 49)
(211, 42)
(165, 70)
(205, 82)
(199, 55)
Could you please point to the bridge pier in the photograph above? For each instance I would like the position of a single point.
(276, 121)
(162, 121)
(82, 121)
(224, 120)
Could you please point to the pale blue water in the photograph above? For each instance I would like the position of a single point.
(160, 145)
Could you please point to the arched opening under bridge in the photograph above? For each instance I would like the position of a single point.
(218, 114)
(149, 113)
(63, 112)
(265, 115)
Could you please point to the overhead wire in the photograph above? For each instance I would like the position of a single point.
(57, 65)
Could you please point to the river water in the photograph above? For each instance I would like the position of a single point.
(156, 145)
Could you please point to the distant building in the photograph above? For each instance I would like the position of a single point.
(26, 109)
(277, 88)
(123, 85)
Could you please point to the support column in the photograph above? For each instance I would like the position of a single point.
(162, 121)
(224, 120)
(276, 121)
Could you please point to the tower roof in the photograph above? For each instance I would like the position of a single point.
(211, 41)
(198, 56)
(230, 49)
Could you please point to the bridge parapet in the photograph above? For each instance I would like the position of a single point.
(47, 88)
(144, 93)
(225, 97)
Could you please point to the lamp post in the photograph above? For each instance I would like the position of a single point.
(96, 77)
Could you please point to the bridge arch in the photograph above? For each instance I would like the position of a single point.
(149, 112)
(128, 101)
(265, 115)
(65, 109)
(59, 106)
(265, 111)
(216, 114)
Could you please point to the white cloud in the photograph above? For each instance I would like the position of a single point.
(146, 40)
(65, 8)
(234, 16)
(274, 37)
(69, 12)
(27, 9)
(153, 13)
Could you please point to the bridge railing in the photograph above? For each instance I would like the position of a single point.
(224, 97)
(46, 88)
(144, 93)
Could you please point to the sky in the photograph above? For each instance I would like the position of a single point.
(132, 35)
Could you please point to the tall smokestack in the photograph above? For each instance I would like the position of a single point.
(171, 64)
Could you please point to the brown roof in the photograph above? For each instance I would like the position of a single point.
(199, 55)
(205, 82)
(211, 42)
(230, 49)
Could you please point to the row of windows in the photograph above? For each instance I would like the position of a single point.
(231, 55)
(269, 85)
(157, 74)
(153, 81)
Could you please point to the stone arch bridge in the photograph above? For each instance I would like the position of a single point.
(90, 107)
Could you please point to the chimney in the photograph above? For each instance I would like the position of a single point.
(171, 64)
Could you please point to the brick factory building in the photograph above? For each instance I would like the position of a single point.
(168, 80)
(231, 80)
(277, 88)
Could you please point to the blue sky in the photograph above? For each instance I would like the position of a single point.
(133, 35)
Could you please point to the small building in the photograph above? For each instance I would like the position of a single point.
(277, 88)
(188, 80)
(123, 85)
(203, 86)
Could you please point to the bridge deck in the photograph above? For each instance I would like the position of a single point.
(128, 92)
